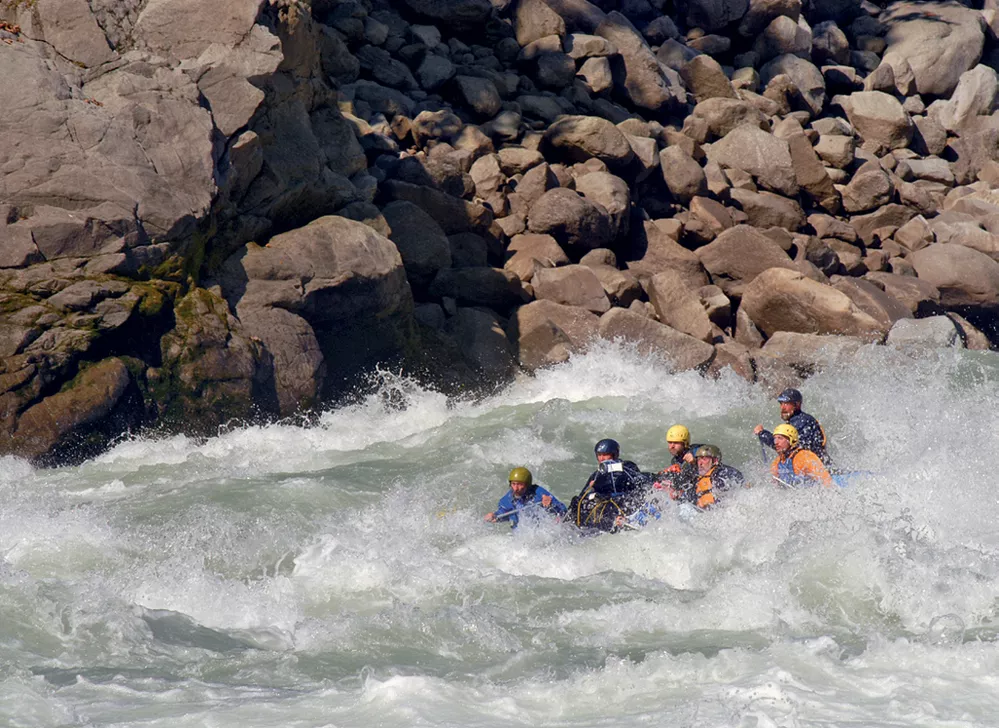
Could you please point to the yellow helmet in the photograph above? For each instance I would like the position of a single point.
(521, 475)
(678, 433)
(788, 431)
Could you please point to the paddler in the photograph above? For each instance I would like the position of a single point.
(613, 492)
(812, 436)
(525, 496)
(714, 477)
(681, 474)
(794, 465)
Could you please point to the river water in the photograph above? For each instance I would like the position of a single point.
(340, 574)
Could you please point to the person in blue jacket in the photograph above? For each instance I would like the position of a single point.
(524, 497)
(811, 436)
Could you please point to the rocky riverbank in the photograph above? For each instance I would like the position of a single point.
(220, 212)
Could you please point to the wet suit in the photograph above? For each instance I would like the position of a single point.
(615, 488)
(529, 504)
(811, 436)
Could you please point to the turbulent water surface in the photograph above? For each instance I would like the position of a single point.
(341, 574)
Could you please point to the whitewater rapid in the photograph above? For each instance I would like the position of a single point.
(340, 574)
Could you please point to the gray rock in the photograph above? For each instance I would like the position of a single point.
(936, 332)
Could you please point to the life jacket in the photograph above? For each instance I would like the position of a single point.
(800, 467)
(703, 495)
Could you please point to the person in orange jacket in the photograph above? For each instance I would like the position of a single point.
(795, 466)
(713, 477)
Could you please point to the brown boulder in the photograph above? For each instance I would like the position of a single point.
(493, 288)
(574, 221)
(578, 138)
(652, 338)
(571, 285)
(482, 342)
(965, 277)
(808, 353)
(783, 300)
(881, 306)
(740, 254)
(422, 244)
(545, 332)
(756, 152)
(678, 306)
(77, 422)
(920, 296)
(656, 251)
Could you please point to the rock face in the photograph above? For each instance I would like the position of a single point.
(326, 300)
(236, 210)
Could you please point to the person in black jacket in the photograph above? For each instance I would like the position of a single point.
(613, 492)
(811, 436)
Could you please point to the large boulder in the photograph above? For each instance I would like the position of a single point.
(714, 14)
(574, 221)
(461, 14)
(612, 194)
(545, 332)
(739, 255)
(806, 77)
(784, 300)
(578, 138)
(935, 42)
(918, 295)
(680, 351)
(452, 214)
(678, 306)
(933, 332)
(422, 244)
(493, 288)
(482, 342)
(684, 176)
(571, 285)
(654, 251)
(211, 372)
(81, 420)
(329, 299)
(881, 306)
(964, 277)
(722, 115)
(808, 353)
(760, 154)
(879, 118)
(975, 95)
(642, 80)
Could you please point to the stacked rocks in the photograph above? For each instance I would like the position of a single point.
(219, 213)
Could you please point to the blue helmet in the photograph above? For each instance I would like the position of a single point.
(607, 447)
(789, 395)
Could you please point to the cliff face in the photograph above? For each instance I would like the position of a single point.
(234, 210)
